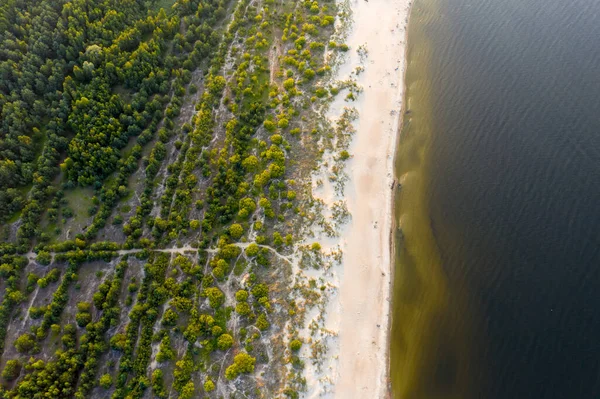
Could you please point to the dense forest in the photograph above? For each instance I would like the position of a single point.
(154, 165)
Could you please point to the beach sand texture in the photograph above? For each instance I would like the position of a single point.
(365, 289)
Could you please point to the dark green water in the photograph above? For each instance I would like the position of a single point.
(497, 288)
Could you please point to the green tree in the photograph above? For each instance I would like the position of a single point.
(165, 351)
(243, 308)
(26, 343)
(247, 207)
(11, 370)
(44, 258)
(170, 318)
(215, 296)
(260, 290)
(158, 385)
(250, 163)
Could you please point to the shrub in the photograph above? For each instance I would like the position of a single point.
(35, 312)
(105, 381)
(118, 342)
(247, 206)
(277, 239)
(44, 258)
(242, 363)
(84, 306)
(295, 345)
(277, 139)
(236, 231)
(225, 342)
(269, 125)
(83, 319)
(241, 296)
(216, 331)
(242, 308)
(250, 163)
(252, 250)
(260, 290)
(229, 252)
(209, 386)
(262, 323)
(309, 73)
(170, 318)
(321, 92)
(291, 393)
(187, 392)
(289, 84)
(283, 123)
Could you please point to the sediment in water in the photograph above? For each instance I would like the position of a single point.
(429, 336)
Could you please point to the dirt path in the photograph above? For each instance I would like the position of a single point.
(174, 250)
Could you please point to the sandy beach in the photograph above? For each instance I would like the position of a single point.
(365, 284)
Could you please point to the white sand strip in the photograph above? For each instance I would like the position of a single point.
(365, 290)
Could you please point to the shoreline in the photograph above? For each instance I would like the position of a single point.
(394, 194)
(365, 293)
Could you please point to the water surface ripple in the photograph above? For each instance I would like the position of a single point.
(497, 288)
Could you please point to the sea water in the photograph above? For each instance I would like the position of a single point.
(497, 277)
